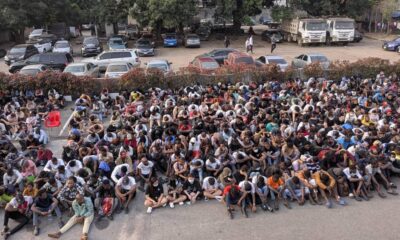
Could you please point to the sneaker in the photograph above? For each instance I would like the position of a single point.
(342, 202)
(264, 207)
(219, 198)
(5, 230)
(206, 199)
(270, 209)
(230, 212)
(171, 205)
(382, 195)
(351, 195)
(328, 204)
(181, 203)
(188, 203)
(36, 231)
(149, 210)
(164, 205)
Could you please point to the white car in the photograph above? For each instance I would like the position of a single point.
(42, 45)
(105, 58)
(306, 59)
(32, 70)
(116, 70)
(63, 46)
(83, 69)
(278, 60)
(161, 64)
(36, 33)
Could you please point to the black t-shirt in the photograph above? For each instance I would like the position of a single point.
(192, 187)
(154, 192)
(44, 203)
(103, 192)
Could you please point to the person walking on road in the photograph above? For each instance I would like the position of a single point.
(227, 41)
(249, 44)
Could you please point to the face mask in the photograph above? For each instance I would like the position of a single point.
(191, 181)
(155, 184)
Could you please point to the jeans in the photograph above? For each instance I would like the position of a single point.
(287, 194)
(36, 215)
(17, 216)
(72, 221)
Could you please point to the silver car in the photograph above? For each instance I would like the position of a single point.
(306, 59)
(192, 40)
(33, 70)
(270, 59)
(83, 69)
(63, 46)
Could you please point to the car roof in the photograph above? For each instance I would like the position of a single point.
(77, 64)
(62, 41)
(22, 45)
(91, 37)
(273, 57)
(315, 54)
(34, 66)
(117, 63)
(158, 61)
(240, 54)
(119, 50)
(206, 59)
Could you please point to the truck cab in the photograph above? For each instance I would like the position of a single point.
(305, 31)
(340, 30)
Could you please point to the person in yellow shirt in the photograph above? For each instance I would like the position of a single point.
(30, 190)
(327, 186)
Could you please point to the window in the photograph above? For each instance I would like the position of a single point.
(261, 59)
(105, 56)
(34, 59)
(305, 58)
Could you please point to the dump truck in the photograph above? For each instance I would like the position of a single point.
(340, 30)
(305, 31)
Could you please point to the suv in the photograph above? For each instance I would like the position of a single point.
(56, 61)
(107, 57)
(239, 58)
(91, 46)
(20, 52)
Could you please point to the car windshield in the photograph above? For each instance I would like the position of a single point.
(245, 60)
(75, 69)
(143, 42)
(209, 65)
(61, 45)
(193, 37)
(160, 66)
(344, 25)
(17, 50)
(170, 37)
(316, 26)
(117, 68)
(90, 41)
(277, 61)
(318, 59)
(30, 72)
(116, 42)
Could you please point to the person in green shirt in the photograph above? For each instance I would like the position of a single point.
(84, 213)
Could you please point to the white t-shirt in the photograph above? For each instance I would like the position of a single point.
(370, 170)
(145, 170)
(241, 185)
(127, 187)
(117, 171)
(207, 186)
(50, 166)
(213, 165)
(15, 204)
(76, 168)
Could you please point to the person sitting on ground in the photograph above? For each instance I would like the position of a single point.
(68, 193)
(376, 177)
(192, 189)
(155, 196)
(30, 190)
(44, 205)
(327, 187)
(106, 201)
(83, 213)
(212, 189)
(276, 186)
(356, 182)
(175, 194)
(125, 190)
(17, 209)
(295, 189)
(234, 196)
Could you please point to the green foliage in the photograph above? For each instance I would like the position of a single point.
(279, 13)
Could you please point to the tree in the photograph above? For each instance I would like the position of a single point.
(279, 13)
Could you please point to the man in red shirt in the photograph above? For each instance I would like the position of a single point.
(234, 196)
(43, 155)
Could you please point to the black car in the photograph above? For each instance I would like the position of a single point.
(20, 52)
(56, 61)
(204, 33)
(144, 47)
(91, 46)
(270, 34)
(219, 54)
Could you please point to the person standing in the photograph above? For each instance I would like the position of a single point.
(273, 43)
(84, 213)
(249, 44)
(227, 41)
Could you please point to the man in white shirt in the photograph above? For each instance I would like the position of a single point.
(375, 177)
(356, 182)
(53, 164)
(212, 189)
(119, 172)
(248, 188)
(125, 191)
(13, 178)
(144, 172)
(74, 166)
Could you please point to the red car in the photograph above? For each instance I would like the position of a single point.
(205, 64)
(239, 58)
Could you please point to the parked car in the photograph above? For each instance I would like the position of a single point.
(265, 20)
(63, 46)
(20, 52)
(42, 45)
(144, 47)
(56, 61)
(116, 70)
(107, 57)
(393, 45)
(204, 33)
(278, 60)
(270, 34)
(132, 31)
(358, 37)
(219, 55)
(170, 40)
(306, 59)
(33, 70)
(206, 65)
(116, 43)
(46, 37)
(36, 33)
(91, 46)
(192, 40)
(83, 69)
(239, 58)
(160, 64)
(123, 38)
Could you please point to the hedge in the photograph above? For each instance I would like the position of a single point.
(138, 78)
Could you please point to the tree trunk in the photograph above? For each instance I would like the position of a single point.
(370, 21)
(115, 28)
(376, 19)
(19, 36)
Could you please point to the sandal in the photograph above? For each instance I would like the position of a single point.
(84, 237)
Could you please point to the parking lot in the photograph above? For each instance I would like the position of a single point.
(181, 56)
